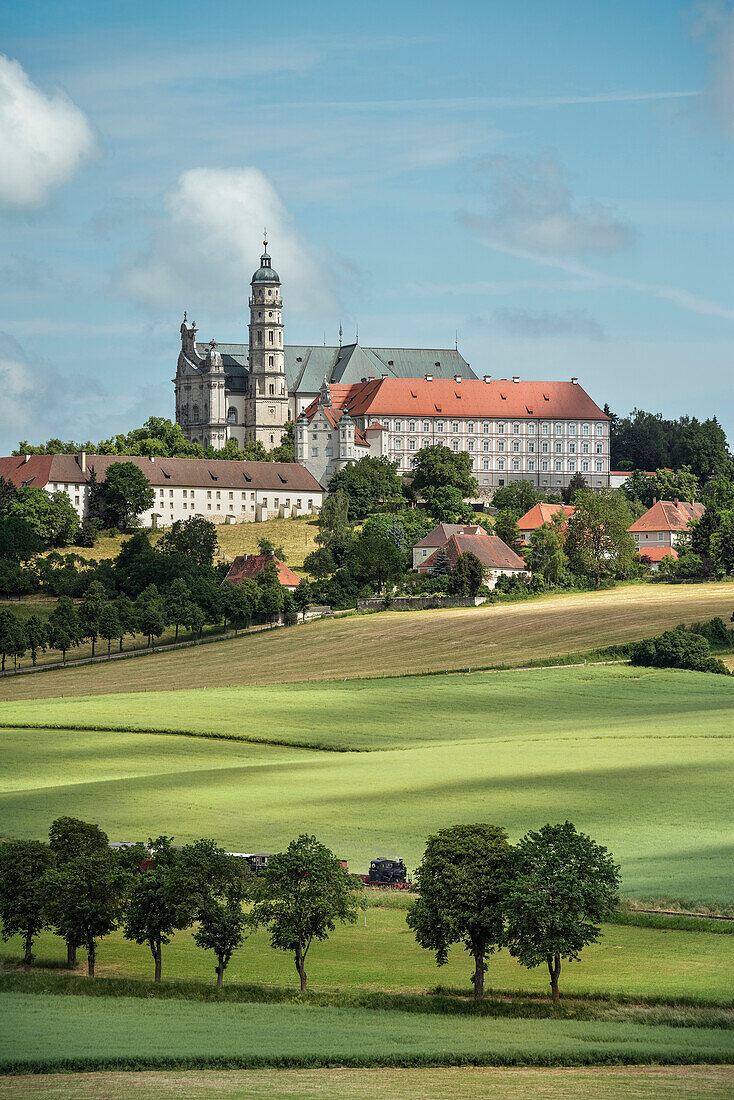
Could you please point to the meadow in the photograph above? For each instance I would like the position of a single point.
(640, 759)
(401, 642)
(52, 1032)
(454, 1083)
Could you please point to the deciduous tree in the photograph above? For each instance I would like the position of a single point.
(161, 900)
(125, 493)
(23, 866)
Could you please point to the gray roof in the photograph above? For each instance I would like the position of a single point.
(306, 367)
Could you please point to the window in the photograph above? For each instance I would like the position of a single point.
(271, 389)
(572, 467)
(531, 428)
(500, 464)
(471, 445)
(170, 493)
(298, 503)
(559, 429)
(557, 466)
(399, 426)
(586, 429)
(599, 448)
(439, 426)
(426, 426)
(515, 429)
(558, 448)
(501, 428)
(208, 493)
(598, 467)
(276, 502)
(572, 448)
(191, 494)
(585, 467)
(265, 502)
(455, 426)
(195, 414)
(76, 500)
(485, 464)
(660, 536)
(545, 429)
(314, 452)
(544, 467)
(259, 336)
(515, 446)
(485, 428)
(531, 465)
(544, 448)
(163, 491)
(411, 426)
(209, 507)
(501, 445)
(599, 429)
(411, 444)
(218, 494)
(231, 496)
(572, 429)
(486, 445)
(516, 463)
(585, 448)
(231, 415)
(471, 427)
(330, 452)
(271, 361)
(454, 444)
(270, 336)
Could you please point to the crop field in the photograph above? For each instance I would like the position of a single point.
(461, 1083)
(379, 952)
(95, 1033)
(401, 642)
(641, 759)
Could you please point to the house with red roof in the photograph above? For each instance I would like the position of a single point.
(663, 525)
(539, 514)
(439, 536)
(541, 432)
(495, 555)
(250, 566)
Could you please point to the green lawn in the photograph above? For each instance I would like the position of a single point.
(89, 1032)
(396, 642)
(642, 760)
(380, 953)
(609, 1083)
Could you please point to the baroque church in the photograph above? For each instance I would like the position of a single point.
(248, 392)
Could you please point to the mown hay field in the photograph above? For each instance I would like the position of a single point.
(94, 1033)
(640, 759)
(454, 1083)
(400, 642)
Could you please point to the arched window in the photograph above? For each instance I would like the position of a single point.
(196, 415)
(270, 361)
(231, 415)
(272, 389)
(259, 336)
(270, 336)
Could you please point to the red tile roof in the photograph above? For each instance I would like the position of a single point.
(469, 397)
(199, 473)
(249, 566)
(668, 515)
(492, 552)
(543, 513)
(657, 553)
(440, 535)
(333, 414)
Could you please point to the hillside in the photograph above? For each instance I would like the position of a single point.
(399, 643)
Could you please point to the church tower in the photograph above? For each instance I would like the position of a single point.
(267, 389)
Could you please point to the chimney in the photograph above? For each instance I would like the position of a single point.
(654, 501)
(516, 378)
(152, 458)
(677, 502)
(82, 460)
(429, 378)
(26, 458)
(271, 553)
(457, 378)
(488, 378)
(574, 381)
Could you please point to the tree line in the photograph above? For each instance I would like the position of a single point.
(649, 441)
(543, 899)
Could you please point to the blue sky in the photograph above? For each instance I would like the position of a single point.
(551, 180)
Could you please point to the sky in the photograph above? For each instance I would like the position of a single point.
(549, 183)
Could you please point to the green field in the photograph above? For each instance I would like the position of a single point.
(401, 642)
(380, 953)
(605, 1083)
(640, 759)
(95, 1033)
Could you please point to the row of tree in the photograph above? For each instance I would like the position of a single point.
(648, 441)
(544, 898)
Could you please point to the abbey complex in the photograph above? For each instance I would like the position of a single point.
(350, 401)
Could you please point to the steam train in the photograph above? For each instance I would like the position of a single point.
(384, 873)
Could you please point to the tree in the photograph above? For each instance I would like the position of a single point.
(90, 610)
(597, 540)
(125, 493)
(505, 527)
(679, 648)
(36, 635)
(518, 498)
(127, 617)
(441, 564)
(437, 467)
(161, 900)
(303, 598)
(547, 554)
(176, 602)
(240, 602)
(109, 625)
(461, 883)
(222, 922)
(376, 560)
(366, 484)
(563, 886)
(319, 563)
(194, 539)
(50, 516)
(446, 504)
(65, 630)
(301, 895)
(14, 580)
(334, 530)
(86, 899)
(721, 544)
(12, 637)
(578, 484)
(195, 618)
(69, 839)
(23, 866)
(149, 613)
(267, 546)
(270, 593)
(467, 576)
(286, 449)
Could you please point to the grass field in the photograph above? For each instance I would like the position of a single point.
(641, 759)
(395, 642)
(603, 1083)
(380, 953)
(52, 1032)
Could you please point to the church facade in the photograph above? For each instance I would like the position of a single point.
(248, 392)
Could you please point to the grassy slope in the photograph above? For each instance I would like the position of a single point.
(642, 1083)
(401, 642)
(383, 955)
(82, 1031)
(643, 764)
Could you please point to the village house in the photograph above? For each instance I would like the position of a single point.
(250, 566)
(496, 557)
(439, 536)
(539, 514)
(221, 490)
(660, 530)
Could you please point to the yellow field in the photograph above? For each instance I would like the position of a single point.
(400, 642)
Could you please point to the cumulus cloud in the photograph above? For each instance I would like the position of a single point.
(715, 24)
(43, 139)
(537, 325)
(531, 206)
(205, 249)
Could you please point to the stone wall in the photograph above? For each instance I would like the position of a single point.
(420, 603)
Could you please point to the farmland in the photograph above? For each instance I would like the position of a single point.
(401, 643)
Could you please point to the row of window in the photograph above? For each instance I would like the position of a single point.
(529, 448)
(530, 466)
(501, 427)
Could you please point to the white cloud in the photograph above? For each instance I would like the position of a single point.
(715, 24)
(43, 139)
(531, 206)
(204, 252)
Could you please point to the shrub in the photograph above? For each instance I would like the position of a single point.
(677, 648)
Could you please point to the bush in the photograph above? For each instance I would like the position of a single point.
(677, 648)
